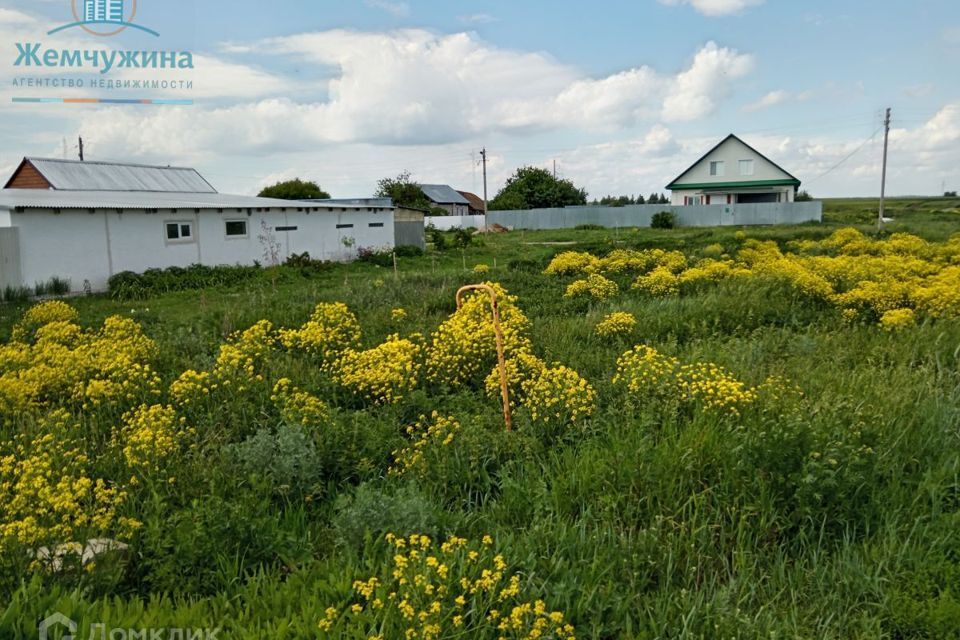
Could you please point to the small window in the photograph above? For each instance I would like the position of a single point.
(717, 168)
(376, 225)
(236, 228)
(344, 226)
(179, 231)
(746, 167)
(286, 228)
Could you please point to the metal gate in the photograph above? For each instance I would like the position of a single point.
(9, 258)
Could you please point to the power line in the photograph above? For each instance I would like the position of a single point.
(848, 156)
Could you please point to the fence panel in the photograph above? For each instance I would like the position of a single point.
(9, 258)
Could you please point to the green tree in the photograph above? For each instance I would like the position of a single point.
(803, 196)
(640, 199)
(404, 192)
(535, 188)
(296, 189)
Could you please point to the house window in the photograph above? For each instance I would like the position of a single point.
(376, 225)
(746, 167)
(179, 231)
(344, 226)
(717, 168)
(236, 228)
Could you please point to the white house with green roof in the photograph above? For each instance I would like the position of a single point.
(733, 172)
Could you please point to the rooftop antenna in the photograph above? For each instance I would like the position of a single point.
(81, 149)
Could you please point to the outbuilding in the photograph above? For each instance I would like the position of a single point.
(86, 221)
(733, 172)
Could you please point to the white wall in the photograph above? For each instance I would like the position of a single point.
(93, 246)
(731, 152)
(445, 223)
(676, 198)
(4, 218)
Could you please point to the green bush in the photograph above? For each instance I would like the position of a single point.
(287, 458)
(128, 285)
(408, 251)
(663, 220)
(16, 294)
(463, 238)
(374, 509)
(437, 238)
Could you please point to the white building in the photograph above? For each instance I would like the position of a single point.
(86, 221)
(733, 172)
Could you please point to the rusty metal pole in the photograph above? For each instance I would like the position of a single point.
(498, 332)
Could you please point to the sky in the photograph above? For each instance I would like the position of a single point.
(620, 95)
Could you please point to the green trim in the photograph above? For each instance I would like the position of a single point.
(734, 185)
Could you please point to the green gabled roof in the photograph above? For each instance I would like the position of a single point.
(757, 183)
(734, 185)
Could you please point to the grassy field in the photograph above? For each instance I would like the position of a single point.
(810, 488)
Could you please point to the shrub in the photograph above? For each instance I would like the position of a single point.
(595, 285)
(463, 238)
(589, 227)
(127, 285)
(372, 511)
(437, 238)
(379, 257)
(619, 323)
(663, 220)
(408, 251)
(287, 458)
(306, 264)
(16, 294)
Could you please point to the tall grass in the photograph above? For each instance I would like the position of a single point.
(836, 521)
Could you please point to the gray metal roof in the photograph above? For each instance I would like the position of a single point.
(367, 202)
(443, 194)
(71, 175)
(49, 199)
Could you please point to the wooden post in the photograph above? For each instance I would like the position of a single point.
(501, 360)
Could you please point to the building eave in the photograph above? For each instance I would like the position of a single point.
(734, 185)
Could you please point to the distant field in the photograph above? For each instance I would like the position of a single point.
(769, 449)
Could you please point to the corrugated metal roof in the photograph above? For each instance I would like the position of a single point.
(443, 194)
(367, 202)
(48, 199)
(71, 175)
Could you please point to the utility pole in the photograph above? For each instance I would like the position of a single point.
(883, 178)
(554, 168)
(81, 149)
(483, 158)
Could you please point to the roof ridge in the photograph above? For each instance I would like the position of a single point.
(111, 163)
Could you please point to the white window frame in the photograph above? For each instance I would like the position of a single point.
(747, 163)
(718, 168)
(180, 239)
(236, 236)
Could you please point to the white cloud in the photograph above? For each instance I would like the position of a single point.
(11, 18)
(693, 93)
(774, 98)
(769, 100)
(412, 86)
(398, 9)
(715, 8)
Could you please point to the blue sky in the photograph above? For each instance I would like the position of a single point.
(623, 95)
